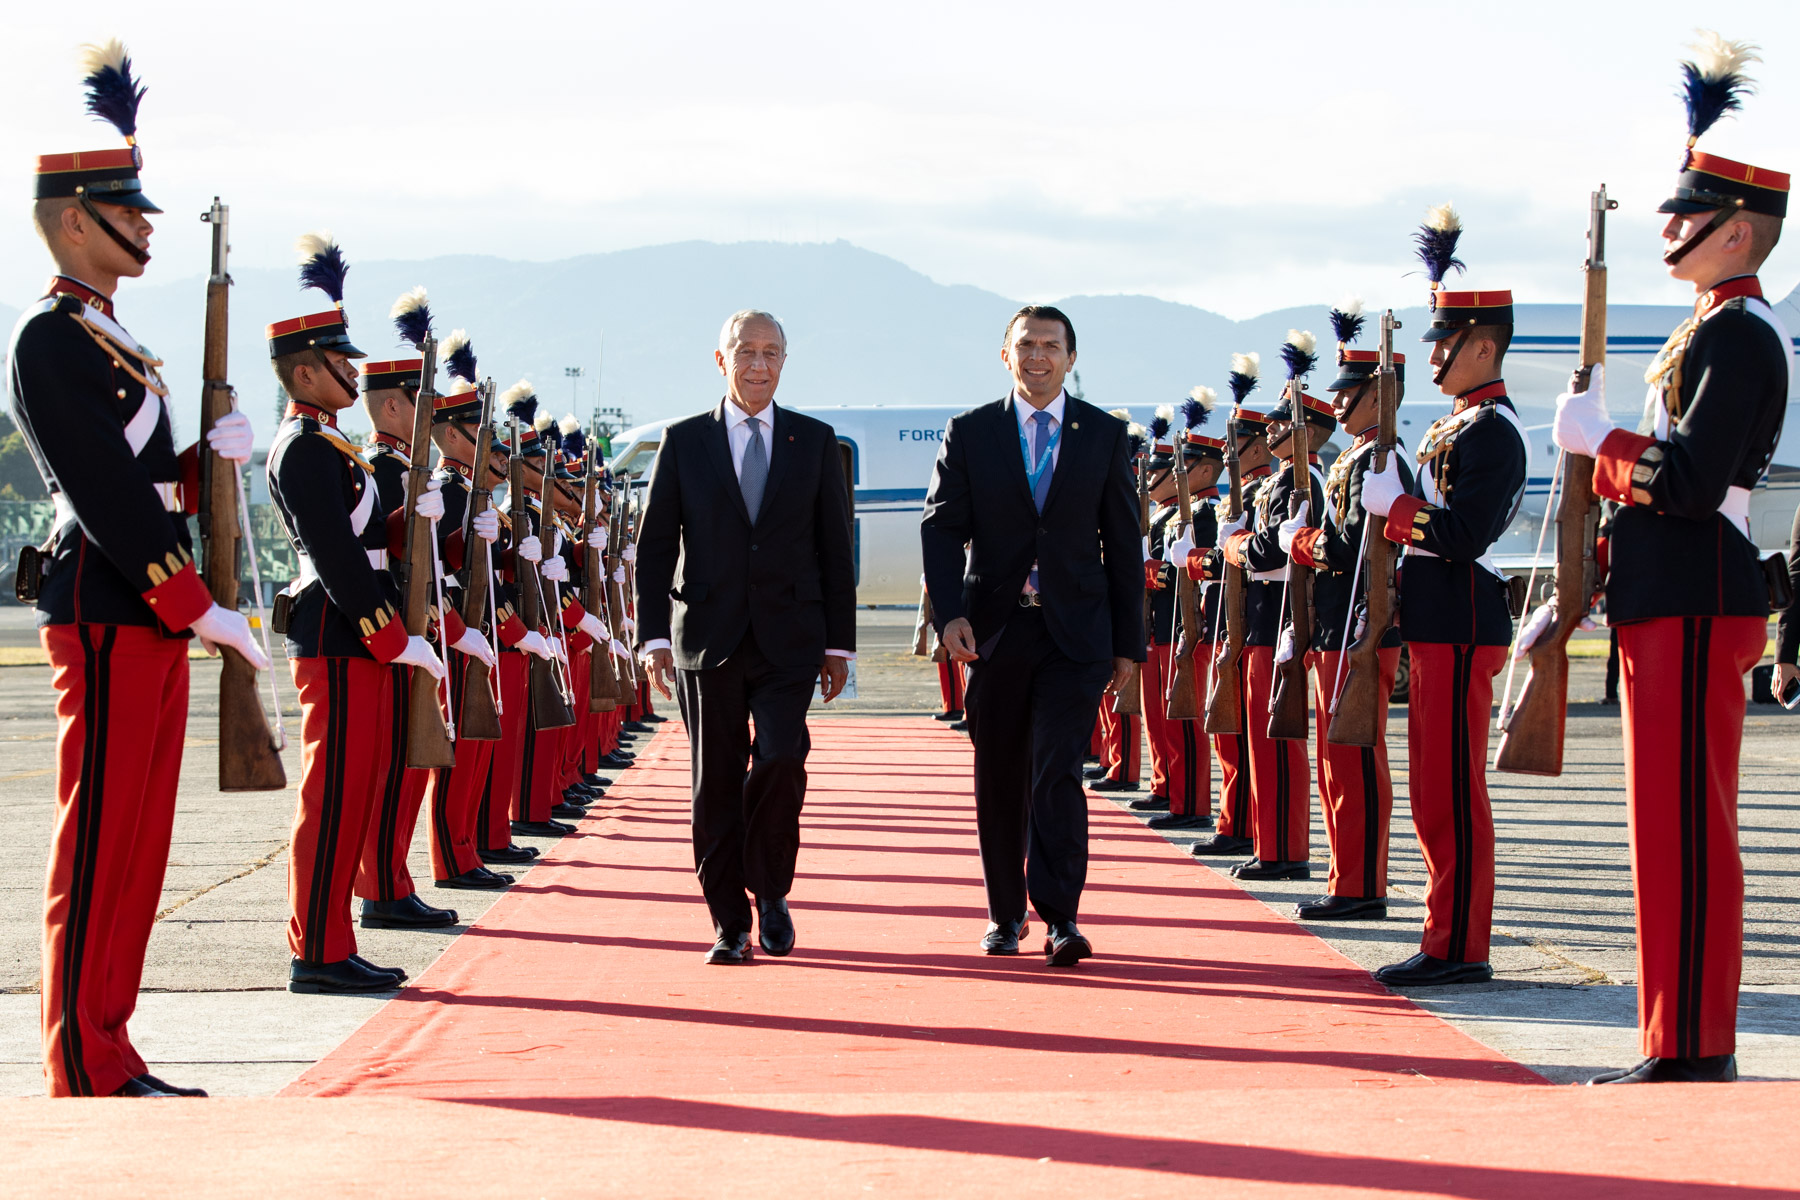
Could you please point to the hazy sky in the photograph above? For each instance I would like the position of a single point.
(1241, 157)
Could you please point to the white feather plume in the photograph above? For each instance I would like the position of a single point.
(1302, 340)
(511, 395)
(413, 301)
(1133, 429)
(1124, 414)
(1443, 217)
(1716, 56)
(1166, 412)
(1247, 364)
(310, 245)
(92, 59)
(1205, 395)
(456, 341)
(1351, 306)
(568, 424)
(459, 387)
(544, 421)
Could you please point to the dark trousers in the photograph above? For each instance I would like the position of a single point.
(747, 794)
(1031, 711)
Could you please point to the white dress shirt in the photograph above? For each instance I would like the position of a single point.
(737, 438)
(1028, 427)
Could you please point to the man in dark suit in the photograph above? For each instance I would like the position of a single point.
(748, 503)
(1046, 607)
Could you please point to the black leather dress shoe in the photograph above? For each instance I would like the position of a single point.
(1113, 785)
(955, 714)
(637, 726)
(542, 828)
(1154, 802)
(149, 1080)
(1342, 908)
(597, 781)
(509, 854)
(339, 978)
(408, 912)
(478, 880)
(399, 973)
(653, 718)
(568, 812)
(1090, 758)
(1219, 845)
(960, 726)
(137, 1089)
(1065, 946)
(1716, 1068)
(730, 950)
(1256, 868)
(774, 926)
(617, 758)
(1002, 937)
(1179, 821)
(1093, 773)
(1422, 970)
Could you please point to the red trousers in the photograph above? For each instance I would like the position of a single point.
(382, 873)
(1233, 751)
(455, 792)
(1280, 789)
(950, 683)
(121, 714)
(1121, 754)
(1180, 760)
(1447, 714)
(493, 825)
(346, 731)
(1356, 788)
(1683, 693)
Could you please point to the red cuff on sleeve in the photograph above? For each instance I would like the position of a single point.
(1233, 548)
(1619, 453)
(1152, 575)
(1196, 564)
(181, 599)
(1304, 542)
(455, 554)
(577, 641)
(512, 630)
(572, 612)
(396, 532)
(386, 643)
(453, 627)
(189, 463)
(1399, 527)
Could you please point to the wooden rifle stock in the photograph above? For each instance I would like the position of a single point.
(249, 756)
(479, 720)
(615, 591)
(1184, 682)
(1289, 705)
(1531, 733)
(1356, 721)
(1224, 693)
(548, 708)
(428, 742)
(603, 681)
(1130, 701)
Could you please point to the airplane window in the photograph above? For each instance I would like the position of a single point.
(641, 460)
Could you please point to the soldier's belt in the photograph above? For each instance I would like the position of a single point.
(1275, 576)
(377, 559)
(168, 493)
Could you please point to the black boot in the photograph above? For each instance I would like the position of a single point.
(408, 912)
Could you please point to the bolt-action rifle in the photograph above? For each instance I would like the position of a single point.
(1224, 691)
(480, 715)
(603, 681)
(548, 709)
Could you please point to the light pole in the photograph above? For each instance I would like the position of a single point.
(574, 375)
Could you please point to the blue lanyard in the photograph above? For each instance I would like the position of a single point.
(1035, 473)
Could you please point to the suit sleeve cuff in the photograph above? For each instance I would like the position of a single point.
(384, 636)
(179, 599)
(845, 654)
(1617, 461)
(1403, 519)
(1305, 543)
(664, 644)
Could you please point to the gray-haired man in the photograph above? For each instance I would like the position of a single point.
(748, 504)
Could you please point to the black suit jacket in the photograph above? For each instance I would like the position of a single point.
(1086, 542)
(705, 573)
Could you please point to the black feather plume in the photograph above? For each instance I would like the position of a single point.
(112, 94)
(322, 265)
(1436, 240)
(1135, 438)
(459, 357)
(1347, 322)
(1297, 353)
(525, 409)
(1194, 413)
(575, 443)
(1244, 376)
(412, 317)
(1159, 427)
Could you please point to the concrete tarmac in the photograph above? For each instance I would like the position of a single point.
(216, 1014)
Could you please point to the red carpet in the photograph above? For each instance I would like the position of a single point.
(573, 1043)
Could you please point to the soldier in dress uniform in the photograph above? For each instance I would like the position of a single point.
(1233, 834)
(344, 634)
(1116, 739)
(1356, 788)
(1684, 586)
(581, 628)
(118, 597)
(1455, 616)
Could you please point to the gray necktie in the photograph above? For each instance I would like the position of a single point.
(754, 474)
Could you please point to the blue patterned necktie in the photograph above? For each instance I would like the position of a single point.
(754, 474)
(1040, 490)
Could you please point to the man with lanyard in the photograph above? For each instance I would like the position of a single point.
(344, 635)
(1356, 788)
(1455, 616)
(118, 596)
(1684, 586)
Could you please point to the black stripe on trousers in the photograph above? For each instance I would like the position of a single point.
(1190, 795)
(1696, 644)
(1462, 835)
(1240, 801)
(331, 806)
(90, 803)
(522, 810)
(1283, 780)
(440, 812)
(1372, 827)
(389, 829)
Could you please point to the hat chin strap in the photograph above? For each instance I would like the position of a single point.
(1443, 372)
(1705, 231)
(325, 364)
(125, 243)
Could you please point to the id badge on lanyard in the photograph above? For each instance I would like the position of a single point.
(1035, 473)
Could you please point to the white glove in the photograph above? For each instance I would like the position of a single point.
(474, 645)
(1146, 547)
(1284, 648)
(1581, 422)
(556, 570)
(534, 643)
(627, 624)
(431, 502)
(1538, 624)
(590, 625)
(597, 537)
(418, 653)
(558, 651)
(1176, 552)
(1381, 488)
(219, 626)
(619, 574)
(232, 439)
(1292, 526)
(629, 554)
(530, 550)
(486, 525)
(1241, 523)
(621, 649)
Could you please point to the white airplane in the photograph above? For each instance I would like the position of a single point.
(889, 449)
